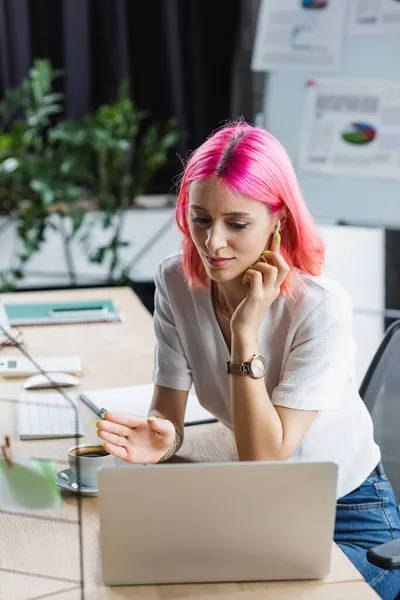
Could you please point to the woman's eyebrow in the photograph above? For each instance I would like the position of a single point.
(234, 213)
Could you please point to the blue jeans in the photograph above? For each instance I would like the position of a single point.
(365, 518)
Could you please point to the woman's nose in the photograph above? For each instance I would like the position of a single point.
(215, 240)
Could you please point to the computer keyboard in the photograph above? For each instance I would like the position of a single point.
(48, 415)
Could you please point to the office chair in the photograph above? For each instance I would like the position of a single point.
(380, 390)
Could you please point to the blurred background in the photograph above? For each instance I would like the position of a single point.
(102, 101)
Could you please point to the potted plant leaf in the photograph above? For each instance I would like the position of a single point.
(50, 165)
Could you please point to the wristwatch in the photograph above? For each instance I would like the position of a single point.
(256, 367)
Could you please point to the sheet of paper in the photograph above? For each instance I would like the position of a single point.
(369, 17)
(352, 128)
(28, 485)
(136, 399)
(301, 35)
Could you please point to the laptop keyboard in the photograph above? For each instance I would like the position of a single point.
(48, 415)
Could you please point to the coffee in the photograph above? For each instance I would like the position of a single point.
(89, 458)
(89, 452)
(94, 454)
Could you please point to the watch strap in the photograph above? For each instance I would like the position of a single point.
(242, 368)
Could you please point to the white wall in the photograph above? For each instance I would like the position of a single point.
(355, 255)
(356, 200)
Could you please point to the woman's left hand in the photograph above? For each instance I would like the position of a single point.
(264, 280)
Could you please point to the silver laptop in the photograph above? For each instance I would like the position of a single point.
(214, 522)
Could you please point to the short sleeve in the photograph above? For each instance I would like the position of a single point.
(321, 360)
(171, 368)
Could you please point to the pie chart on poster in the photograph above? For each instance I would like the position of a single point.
(359, 133)
(314, 3)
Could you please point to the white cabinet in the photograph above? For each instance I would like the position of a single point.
(152, 234)
(355, 257)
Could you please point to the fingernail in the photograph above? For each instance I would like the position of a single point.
(151, 418)
(96, 424)
(103, 415)
(103, 442)
(266, 252)
(277, 237)
(245, 280)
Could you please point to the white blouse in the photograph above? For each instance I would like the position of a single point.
(309, 348)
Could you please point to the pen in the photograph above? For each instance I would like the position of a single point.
(93, 407)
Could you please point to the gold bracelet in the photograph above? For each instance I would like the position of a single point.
(177, 443)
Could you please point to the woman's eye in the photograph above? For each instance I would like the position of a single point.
(199, 220)
(238, 225)
(202, 221)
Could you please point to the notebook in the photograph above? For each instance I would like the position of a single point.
(136, 399)
(62, 312)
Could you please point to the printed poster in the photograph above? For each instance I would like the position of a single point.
(352, 128)
(375, 17)
(301, 35)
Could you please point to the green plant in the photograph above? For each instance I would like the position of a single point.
(48, 164)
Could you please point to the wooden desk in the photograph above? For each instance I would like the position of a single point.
(116, 354)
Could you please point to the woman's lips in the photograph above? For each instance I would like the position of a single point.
(218, 262)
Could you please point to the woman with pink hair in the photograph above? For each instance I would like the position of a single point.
(245, 315)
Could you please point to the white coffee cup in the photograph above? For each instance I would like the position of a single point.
(91, 457)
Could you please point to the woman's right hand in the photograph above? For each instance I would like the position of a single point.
(136, 439)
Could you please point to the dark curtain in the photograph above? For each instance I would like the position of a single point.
(14, 42)
(248, 86)
(178, 54)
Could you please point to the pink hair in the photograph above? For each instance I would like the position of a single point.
(251, 162)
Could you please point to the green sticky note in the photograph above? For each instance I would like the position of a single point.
(28, 485)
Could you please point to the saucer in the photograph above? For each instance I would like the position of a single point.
(67, 481)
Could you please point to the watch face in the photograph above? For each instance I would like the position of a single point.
(258, 367)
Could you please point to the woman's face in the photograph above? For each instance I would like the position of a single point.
(228, 230)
